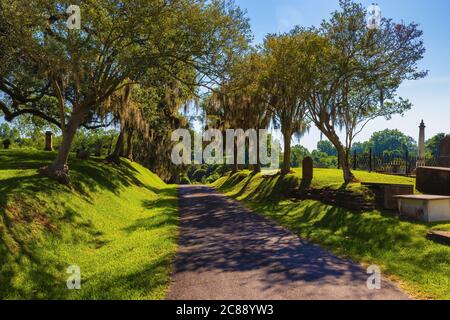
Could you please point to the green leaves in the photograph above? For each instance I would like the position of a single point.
(121, 40)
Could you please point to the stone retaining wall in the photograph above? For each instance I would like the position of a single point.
(339, 198)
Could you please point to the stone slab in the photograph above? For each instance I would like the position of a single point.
(442, 237)
(427, 208)
(433, 180)
(425, 197)
(444, 152)
(376, 184)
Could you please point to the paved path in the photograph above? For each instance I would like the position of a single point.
(226, 252)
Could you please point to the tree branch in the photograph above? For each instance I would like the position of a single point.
(10, 115)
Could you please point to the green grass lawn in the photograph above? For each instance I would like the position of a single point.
(118, 224)
(398, 247)
(333, 178)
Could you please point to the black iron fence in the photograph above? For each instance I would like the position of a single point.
(404, 164)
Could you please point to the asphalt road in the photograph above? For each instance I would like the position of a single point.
(227, 252)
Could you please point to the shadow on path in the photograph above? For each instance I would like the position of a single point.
(228, 252)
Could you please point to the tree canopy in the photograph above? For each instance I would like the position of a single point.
(338, 76)
(134, 64)
(65, 76)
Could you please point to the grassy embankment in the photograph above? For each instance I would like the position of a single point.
(118, 224)
(398, 247)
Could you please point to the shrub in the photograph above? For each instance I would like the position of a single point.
(185, 180)
(199, 175)
(6, 143)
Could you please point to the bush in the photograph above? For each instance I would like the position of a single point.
(6, 143)
(199, 175)
(185, 180)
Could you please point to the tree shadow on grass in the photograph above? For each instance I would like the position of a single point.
(20, 159)
(38, 280)
(23, 256)
(167, 215)
(271, 190)
(25, 219)
(379, 231)
(274, 188)
(131, 284)
(87, 176)
(232, 180)
(162, 192)
(247, 180)
(92, 175)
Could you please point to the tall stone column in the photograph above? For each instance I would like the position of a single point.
(48, 141)
(421, 157)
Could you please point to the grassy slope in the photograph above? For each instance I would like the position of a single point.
(398, 247)
(119, 224)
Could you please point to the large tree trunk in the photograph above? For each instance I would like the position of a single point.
(345, 163)
(129, 154)
(287, 153)
(343, 156)
(59, 169)
(118, 149)
(110, 145)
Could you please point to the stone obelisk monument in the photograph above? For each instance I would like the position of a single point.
(421, 157)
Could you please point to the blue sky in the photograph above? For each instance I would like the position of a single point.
(430, 96)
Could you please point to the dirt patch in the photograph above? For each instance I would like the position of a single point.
(20, 211)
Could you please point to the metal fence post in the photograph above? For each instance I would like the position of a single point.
(370, 160)
(354, 161)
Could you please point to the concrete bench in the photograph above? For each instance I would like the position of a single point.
(427, 208)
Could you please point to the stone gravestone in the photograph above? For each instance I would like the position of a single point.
(444, 153)
(83, 154)
(98, 149)
(308, 168)
(48, 141)
(6, 143)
